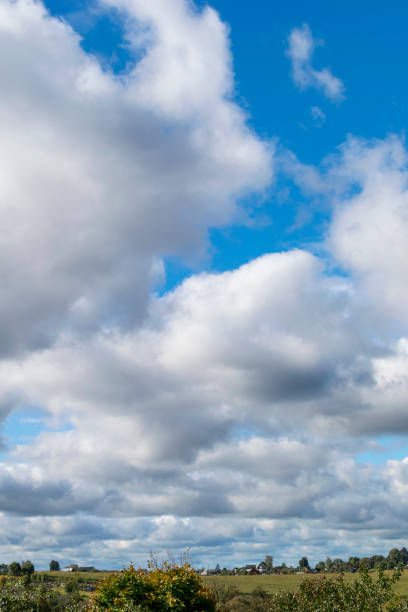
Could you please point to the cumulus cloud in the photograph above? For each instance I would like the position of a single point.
(365, 185)
(227, 413)
(301, 46)
(220, 405)
(370, 228)
(101, 175)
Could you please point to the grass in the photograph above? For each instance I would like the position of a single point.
(245, 584)
(57, 580)
(80, 576)
(288, 582)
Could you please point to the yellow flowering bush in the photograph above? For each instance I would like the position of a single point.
(164, 589)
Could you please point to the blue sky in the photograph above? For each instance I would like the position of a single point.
(203, 316)
(375, 105)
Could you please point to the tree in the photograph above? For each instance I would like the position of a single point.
(54, 566)
(354, 561)
(3, 568)
(27, 568)
(394, 558)
(404, 555)
(269, 563)
(367, 562)
(338, 565)
(320, 566)
(329, 564)
(304, 563)
(169, 588)
(14, 569)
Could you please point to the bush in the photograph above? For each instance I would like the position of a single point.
(71, 585)
(364, 594)
(18, 596)
(165, 589)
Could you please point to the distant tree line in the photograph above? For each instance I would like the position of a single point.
(394, 559)
(26, 568)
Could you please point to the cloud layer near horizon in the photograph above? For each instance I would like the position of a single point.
(227, 413)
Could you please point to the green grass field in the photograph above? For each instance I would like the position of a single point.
(245, 584)
(82, 576)
(57, 580)
(275, 583)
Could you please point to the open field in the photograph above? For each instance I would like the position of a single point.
(245, 584)
(56, 581)
(80, 576)
(289, 582)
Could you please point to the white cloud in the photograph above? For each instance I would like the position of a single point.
(239, 396)
(369, 233)
(301, 45)
(318, 115)
(101, 175)
(364, 184)
(226, 414)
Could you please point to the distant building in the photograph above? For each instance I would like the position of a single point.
(251, 569)
(74, 567)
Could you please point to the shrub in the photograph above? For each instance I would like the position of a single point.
(71, 585)
(18, 596)
(164, 589)
(364, 594)
(367, 593)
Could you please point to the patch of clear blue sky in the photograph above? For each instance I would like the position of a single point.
(365, 45)
(22, 426)
(387, 447)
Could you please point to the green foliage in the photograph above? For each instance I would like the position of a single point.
(394, 559)
(165, 589)
(365, 594)
(229, 599)
(18, 595)
(71, 585)
(27, 568)
(304, 563)
(223, 593)
(15, 596)
(14, 569)
(54, 566)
